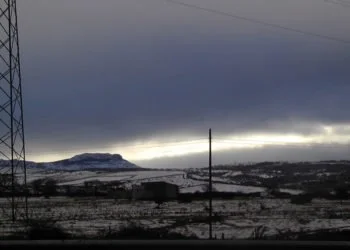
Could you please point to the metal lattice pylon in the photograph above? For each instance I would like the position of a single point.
(12, 145)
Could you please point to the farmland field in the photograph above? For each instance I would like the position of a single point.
(88, 217)
(259, 201)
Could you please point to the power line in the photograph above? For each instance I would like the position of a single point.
(260, 22)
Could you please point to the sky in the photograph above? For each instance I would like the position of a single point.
(148, 78)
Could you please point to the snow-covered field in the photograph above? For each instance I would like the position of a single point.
(89, 217)
(187, 183)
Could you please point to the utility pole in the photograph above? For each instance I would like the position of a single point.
(210, 191)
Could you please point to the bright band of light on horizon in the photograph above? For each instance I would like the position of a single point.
(156, 149)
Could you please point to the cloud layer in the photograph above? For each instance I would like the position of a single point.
(97, 75)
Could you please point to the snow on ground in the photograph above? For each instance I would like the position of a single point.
(90, 216)
(219, 171)
(132, 176)
(199, 177)
(237, 188)
(265, 176)
(129, 178)
(291, 191)
(96, 178)
(326, 174)
(223, 188)
(233, 173)
(193, 189)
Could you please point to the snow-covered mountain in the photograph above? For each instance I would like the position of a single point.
(84, 162)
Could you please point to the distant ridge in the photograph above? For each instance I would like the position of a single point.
(84, 161)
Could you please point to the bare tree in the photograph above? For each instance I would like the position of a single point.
(37, 186)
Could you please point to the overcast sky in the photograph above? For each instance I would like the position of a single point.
(132, 76)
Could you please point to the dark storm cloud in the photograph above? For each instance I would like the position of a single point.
(173, 89)
(98, 82)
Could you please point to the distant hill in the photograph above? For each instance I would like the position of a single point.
(84, 161)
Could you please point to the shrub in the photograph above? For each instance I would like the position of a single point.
(341, 193)
(301, 199)
(45, 230)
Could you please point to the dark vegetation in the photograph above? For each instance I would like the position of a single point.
(46, 187)
(314, 235)
(43, 229)
(49, 230)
